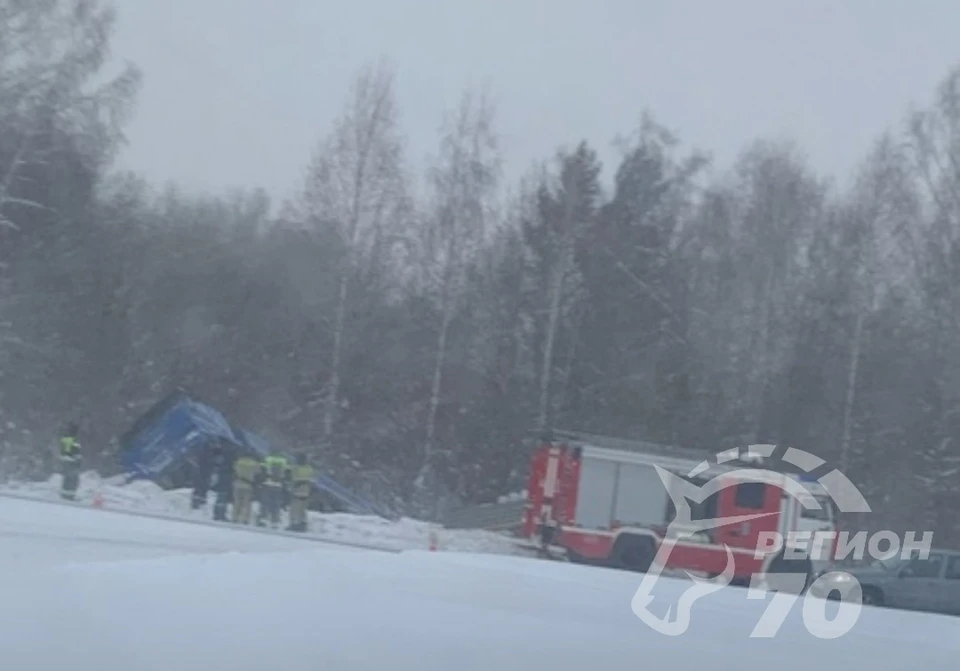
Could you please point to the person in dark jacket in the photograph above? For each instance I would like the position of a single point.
(70, 462)
(224, 485)
(206, 461)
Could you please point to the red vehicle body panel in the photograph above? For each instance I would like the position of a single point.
(550, 516)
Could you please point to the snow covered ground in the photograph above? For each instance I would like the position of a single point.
(147, 498)
(39, 534)
(105, 592)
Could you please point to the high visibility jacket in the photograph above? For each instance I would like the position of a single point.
(245, 470)
(302, 481)
(276, 469)
(69, 450)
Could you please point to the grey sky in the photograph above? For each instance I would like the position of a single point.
(237, 92)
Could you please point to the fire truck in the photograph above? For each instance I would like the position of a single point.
(612, 502)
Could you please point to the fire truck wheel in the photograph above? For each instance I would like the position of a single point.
(782, 572)
(577, 558)
(634, 553)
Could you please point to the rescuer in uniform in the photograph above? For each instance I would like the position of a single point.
(276, 474)
(301, 486)
(246, 477)
(70, 462)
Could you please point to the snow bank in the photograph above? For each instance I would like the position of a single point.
(143, 496)
(412, 611)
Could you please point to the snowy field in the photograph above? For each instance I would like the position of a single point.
(145, 497)
(87, 589)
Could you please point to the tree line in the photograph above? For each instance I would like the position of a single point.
(410, 330)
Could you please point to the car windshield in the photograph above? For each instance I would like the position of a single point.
(889, 563)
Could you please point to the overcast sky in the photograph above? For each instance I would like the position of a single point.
(237, 92)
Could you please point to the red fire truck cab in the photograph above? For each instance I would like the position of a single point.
(603, 501)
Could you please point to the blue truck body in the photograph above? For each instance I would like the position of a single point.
(179, 432)
(178, 428)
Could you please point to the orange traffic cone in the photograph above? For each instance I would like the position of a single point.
(98, 499)
(433, 541)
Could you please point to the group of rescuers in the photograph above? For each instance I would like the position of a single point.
(241, 479)
(275, 484)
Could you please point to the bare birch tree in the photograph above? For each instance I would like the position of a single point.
(567, 209)
(883, 206)
(356, 186)
(464, 182)
(50, 51)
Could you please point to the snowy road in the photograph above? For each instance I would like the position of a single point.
(90, 590)
(35, 534)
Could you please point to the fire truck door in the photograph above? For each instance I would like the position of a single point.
(551, 485)
(747, 498)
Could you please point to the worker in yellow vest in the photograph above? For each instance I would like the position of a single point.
(246, 476)
(301, 487)
(276, 475)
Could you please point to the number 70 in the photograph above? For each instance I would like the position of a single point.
(814, 609)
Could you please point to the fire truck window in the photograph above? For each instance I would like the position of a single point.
(706, 510)
(751, 495)
(825, 514)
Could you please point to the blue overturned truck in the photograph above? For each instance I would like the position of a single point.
(168, 441)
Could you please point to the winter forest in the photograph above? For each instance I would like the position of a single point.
(412, 330)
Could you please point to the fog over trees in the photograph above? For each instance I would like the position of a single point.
(411, 329)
